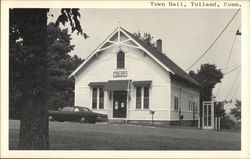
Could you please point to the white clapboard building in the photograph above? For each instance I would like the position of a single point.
(126, 79)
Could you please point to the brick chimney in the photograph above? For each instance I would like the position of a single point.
(159, 45)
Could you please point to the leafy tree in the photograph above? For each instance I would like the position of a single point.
(219, 109)
(60, 65)
(237, 110)
(29, 71)
(208, 76)
(147, 38)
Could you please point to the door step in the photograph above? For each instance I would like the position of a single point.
(117, 121)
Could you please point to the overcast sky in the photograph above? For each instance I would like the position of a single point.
(186, 34)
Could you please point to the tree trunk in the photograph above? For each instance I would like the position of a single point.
(34, 121)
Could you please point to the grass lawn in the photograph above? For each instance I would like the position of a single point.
(77, 136)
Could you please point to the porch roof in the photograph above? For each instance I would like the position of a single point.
(142, 83)
(117, 85)
(97, 84)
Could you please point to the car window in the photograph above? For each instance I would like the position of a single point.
(67, 109)
(76, 110)
(86, 109)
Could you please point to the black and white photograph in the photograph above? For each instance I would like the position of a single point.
(126, 79)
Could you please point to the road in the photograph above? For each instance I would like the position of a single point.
(103, 136)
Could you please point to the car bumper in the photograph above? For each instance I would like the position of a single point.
(102, 118)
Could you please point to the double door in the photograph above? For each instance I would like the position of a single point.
(208, 115)
(119, 104)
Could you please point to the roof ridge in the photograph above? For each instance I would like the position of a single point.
(167, 61)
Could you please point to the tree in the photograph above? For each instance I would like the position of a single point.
(29, 60)
(60, 65)
(237, 110)
(147, 38)
(219, 109)
(208, 76)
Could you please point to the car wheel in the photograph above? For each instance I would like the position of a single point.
(92, 121)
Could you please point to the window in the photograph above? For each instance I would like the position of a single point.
(101, 98)
(146, 98)
(67, 109)
(138, 97)
(94, 98)
(86, 109)
(142, 97)
(97, 98)
(120, 59)
(192, 106)
(196, 106)
(176, 103)
(76, 110)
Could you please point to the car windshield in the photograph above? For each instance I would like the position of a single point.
(86, 109)
(67, 109)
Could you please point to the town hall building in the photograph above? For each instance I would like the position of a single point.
(128, 80)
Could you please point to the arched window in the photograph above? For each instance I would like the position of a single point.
(120, 59)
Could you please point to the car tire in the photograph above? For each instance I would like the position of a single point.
(92, 122)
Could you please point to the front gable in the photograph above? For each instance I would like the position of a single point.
(117, 40)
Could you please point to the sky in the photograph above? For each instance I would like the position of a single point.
(186, 35)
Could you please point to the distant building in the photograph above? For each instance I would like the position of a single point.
(125, 78)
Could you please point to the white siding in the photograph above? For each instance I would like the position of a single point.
(139, 67)
(185, 94)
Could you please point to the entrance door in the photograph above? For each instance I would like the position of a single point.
(208, 115)
(120, 104)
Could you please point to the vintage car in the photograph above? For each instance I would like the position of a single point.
(77, 113)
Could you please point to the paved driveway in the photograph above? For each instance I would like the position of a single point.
(77, 136)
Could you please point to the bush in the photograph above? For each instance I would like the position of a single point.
(226, 123)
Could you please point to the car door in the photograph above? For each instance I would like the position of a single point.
(65, 114)
(76, 115)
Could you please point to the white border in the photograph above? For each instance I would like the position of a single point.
(244, 153)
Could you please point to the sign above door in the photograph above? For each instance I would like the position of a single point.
(120, 73)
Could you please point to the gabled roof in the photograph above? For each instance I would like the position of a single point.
(164, 59)
(159, 57)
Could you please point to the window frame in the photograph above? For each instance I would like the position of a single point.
(138, 99)
(142, 98)
(120, 60)
(98, 99)
(94, 98)
(196, 106)
(176, 106)
(101, 99)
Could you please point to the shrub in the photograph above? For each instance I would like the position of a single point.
(226, 123)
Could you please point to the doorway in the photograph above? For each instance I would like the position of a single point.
(208, 115)
(119, 104)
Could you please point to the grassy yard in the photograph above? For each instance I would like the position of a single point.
(77, 136)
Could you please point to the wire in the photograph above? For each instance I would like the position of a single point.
(231, 50)
(236, 90)
(230, 53)
(232, 85)
(214, 41)
(227, 62)
(231, 70)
